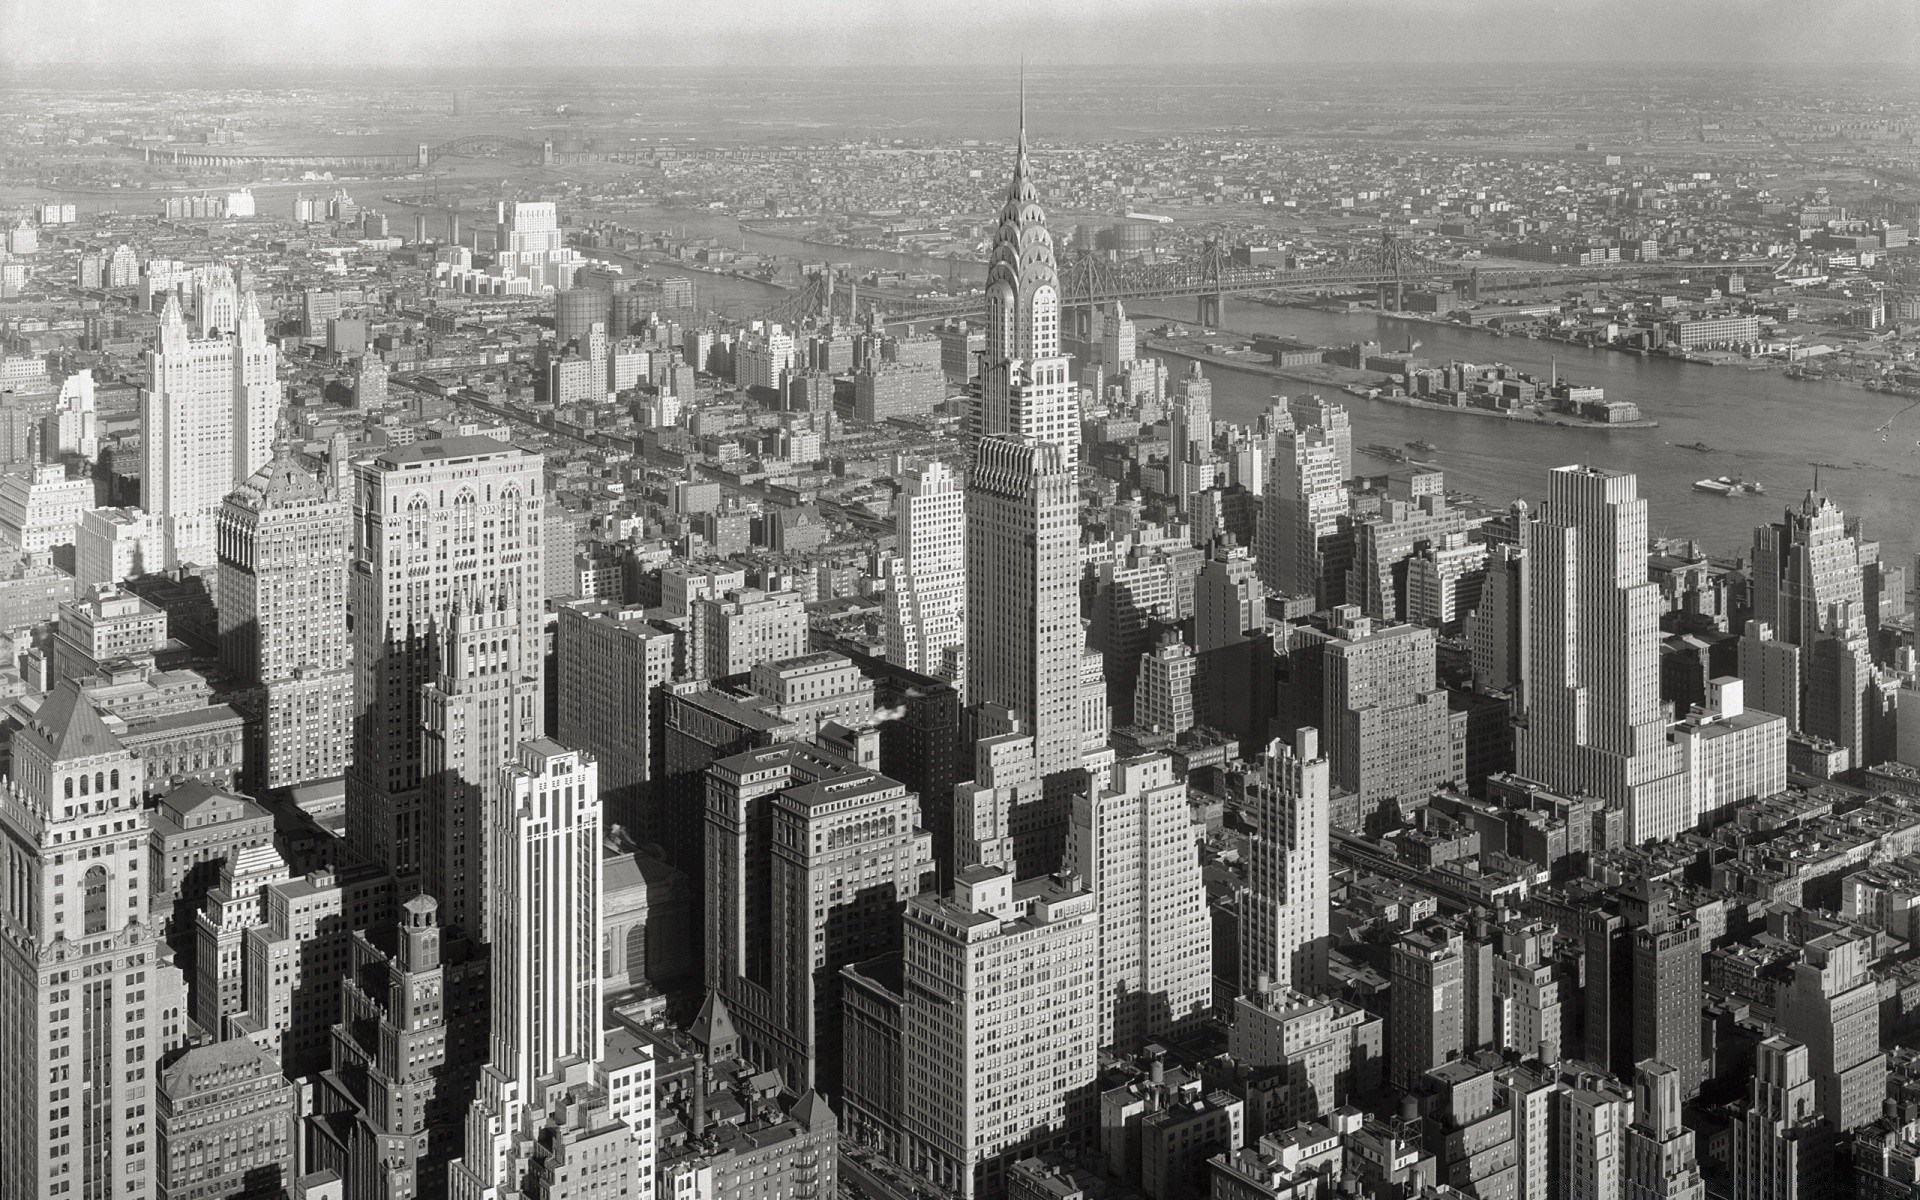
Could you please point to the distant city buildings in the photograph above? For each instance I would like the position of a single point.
(925, 733)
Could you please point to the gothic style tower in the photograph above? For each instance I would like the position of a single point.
(77, 962)
(1025, 389)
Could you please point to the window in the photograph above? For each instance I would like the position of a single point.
(96, 900)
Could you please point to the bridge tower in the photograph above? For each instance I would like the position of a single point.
(426, 156)
(1212, 301)
(546, 153)
(1393, 264)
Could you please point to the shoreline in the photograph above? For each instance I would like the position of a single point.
(1353, 389)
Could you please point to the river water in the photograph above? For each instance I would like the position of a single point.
(1762, 425)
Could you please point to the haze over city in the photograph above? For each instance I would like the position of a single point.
(648, 36)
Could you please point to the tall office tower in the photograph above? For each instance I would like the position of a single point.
(1227, 599)
(1498, 630)
(776, 935)
(544, 855)
(1283, 931)
(1119, 340)
(282, 605)
(1190, 456)
(544, 862)
(1425, 1017)
(73, 427)
(1592, 1111)
(1781, 1149)
(206, 423)
(1163, 695)
(1024, 639)
(1024, 386)
(405, 1055)
(1831, 1007)
(476, 714)
(612, 663)
(1389, 736)
(439, 525)
(926, 603)
(1808, 588)
(78, 950)
(1660, 1158)
(827, 835)
(1304, 539)
(999, 977)
(1133, 844)
(1666, 988)
(1595, 720)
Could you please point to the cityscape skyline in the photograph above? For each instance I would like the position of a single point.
(545, 665)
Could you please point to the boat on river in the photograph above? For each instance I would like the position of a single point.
(1714, 487)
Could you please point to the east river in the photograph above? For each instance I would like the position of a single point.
(1762, 425)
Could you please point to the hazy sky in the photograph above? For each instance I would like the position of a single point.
(654, 34)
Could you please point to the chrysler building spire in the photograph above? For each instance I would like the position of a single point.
(1025, 390)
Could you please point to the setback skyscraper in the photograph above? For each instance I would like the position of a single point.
(1283, 930)
(206, 423)
(1024, 639)
(926, 601)
(439, 525)
(1596, 723)
(282, 602)
(78, 949)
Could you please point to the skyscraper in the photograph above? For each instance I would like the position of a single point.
(439, 525)
(1388, 727)
(612, 663)
(1660, 1158)
(478, 711)
(1426, 1003)
(1596, 722)
(1133, 844)
(1809, 589)
(1781, 1150)
(1283, 929)
(999, 978)
(927, 600)
(543, 847)
(1832, 1008)
(1304, 541)
(206, 423)
(1024, 386)
(1190, 456)
(282, 605)
(1024, 640)
(783, 825)
(544, 860)
(78, 951)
